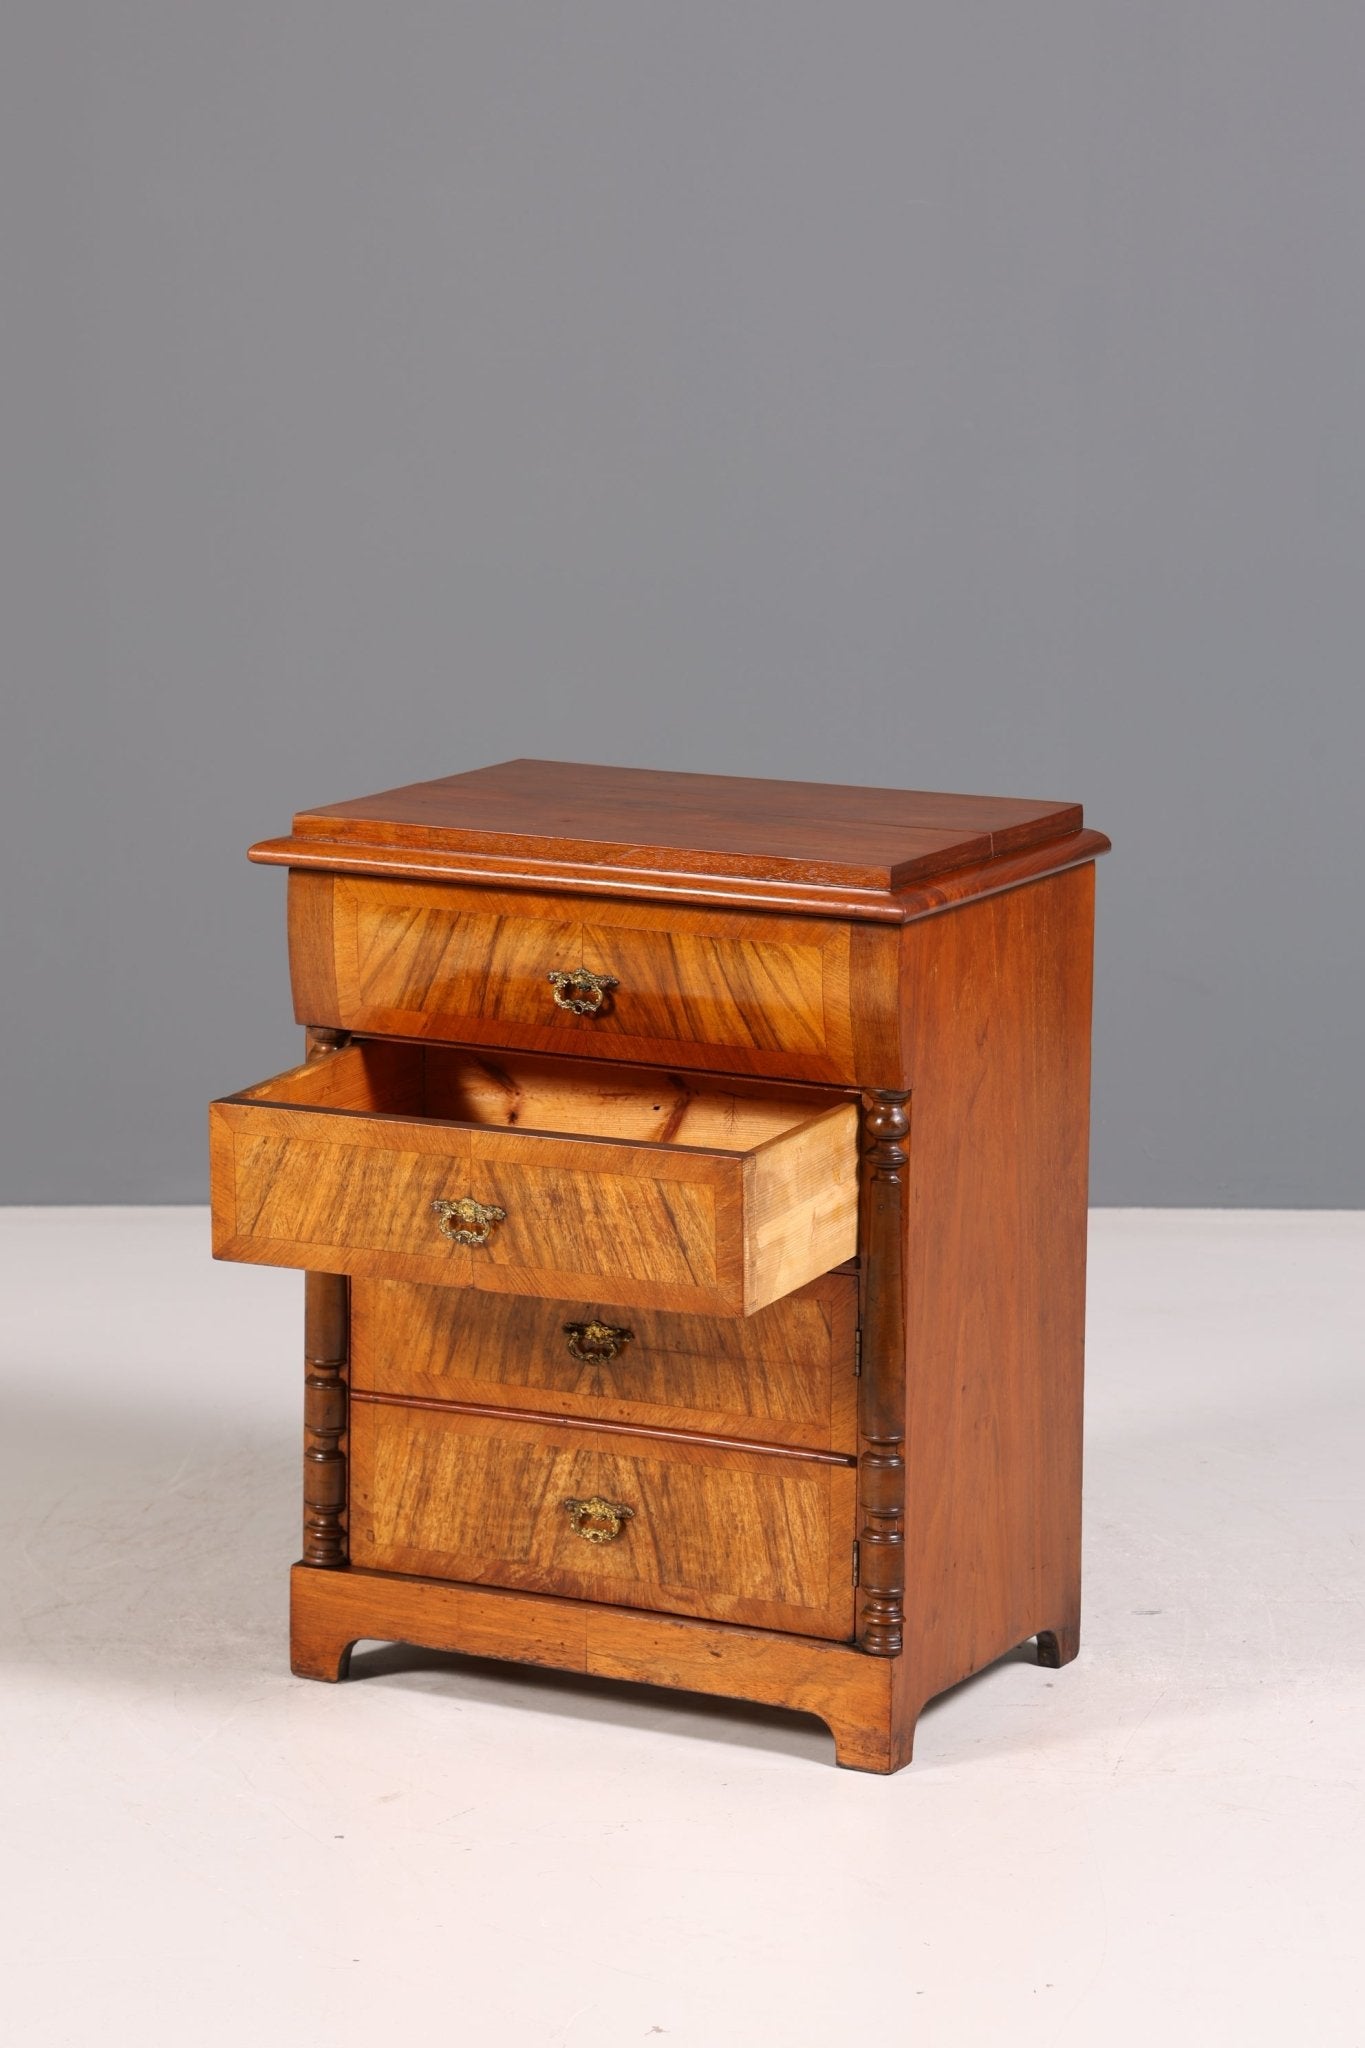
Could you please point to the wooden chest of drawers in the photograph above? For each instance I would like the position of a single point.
(690, 1178)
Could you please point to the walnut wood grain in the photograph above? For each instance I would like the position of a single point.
(732, 1535)
(849, 1692)
(997, 1034)
(312, 961)
(874, 1006)
(563, 823)
(996, 877)
(784, 1375)
(652, 1433)
(921, 952)
(715, 824)
(581, 877)
(739, 994)
(691, 1196)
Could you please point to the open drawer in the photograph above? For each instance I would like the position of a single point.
(536, 1176)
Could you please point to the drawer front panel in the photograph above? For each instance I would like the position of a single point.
(758, 1537)
(317, 1170)
(362, 1203)
(694, 988)
(783, 1376)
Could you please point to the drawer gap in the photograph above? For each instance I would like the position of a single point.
(597, 1427)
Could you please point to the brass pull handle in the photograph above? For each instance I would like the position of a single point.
(597, 1520)
(595, 1343)
(468, 1221)
(581, 992)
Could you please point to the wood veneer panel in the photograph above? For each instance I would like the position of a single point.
(312, 948)
(997, 1040)
(742, 994)
(731, 1535)
(995, 877)
(874, 1005)
(879, 838)
(335, 1167)
(851, 1693)
(810, 847)
(784, 1375)
(828, 900)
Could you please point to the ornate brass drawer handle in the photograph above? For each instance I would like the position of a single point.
(595, 1343)
(581, 992)
(597, 1520)
(468, 1221)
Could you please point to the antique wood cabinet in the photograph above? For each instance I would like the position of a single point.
(690, 1178)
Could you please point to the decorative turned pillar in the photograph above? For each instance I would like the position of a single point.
(326, 1345)
(881, 1394)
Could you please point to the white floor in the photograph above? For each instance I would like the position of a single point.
(1161, 1843)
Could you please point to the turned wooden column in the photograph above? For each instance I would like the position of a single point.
(881, 1393)
(326, 1347)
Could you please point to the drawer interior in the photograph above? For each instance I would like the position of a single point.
(553, 1097)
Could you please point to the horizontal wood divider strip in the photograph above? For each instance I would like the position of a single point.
(814, 899)
(593, 1427)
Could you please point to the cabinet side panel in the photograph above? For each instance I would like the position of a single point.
(996, 1015)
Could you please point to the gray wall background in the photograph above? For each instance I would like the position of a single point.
(953, 395)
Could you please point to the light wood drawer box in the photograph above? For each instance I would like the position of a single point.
(785, 1375)
(743, 994)
(764, 1537)
(584, 1179)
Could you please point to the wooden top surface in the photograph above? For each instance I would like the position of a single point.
(543, 818)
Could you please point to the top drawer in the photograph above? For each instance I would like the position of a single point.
(680, 986)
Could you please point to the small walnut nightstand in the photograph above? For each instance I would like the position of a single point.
(690, 1176)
